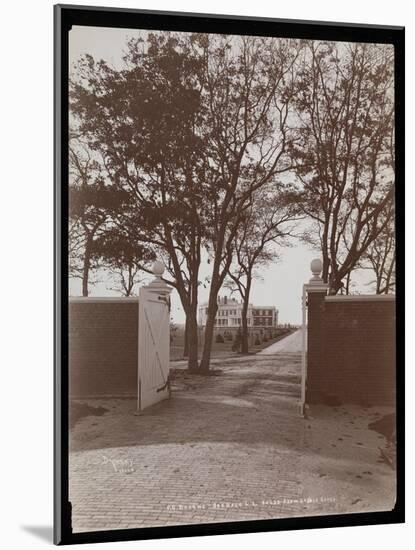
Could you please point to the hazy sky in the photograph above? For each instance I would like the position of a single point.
(281, 283)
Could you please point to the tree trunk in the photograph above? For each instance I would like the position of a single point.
(244, 313)
(209, 329)
(130, 280)
(378, 282)
(244, 335)
(86, 267)
(188, 293)
(335, 285)
(348, 284)
(192, 338)
(186, 337)
(218, 277)
(324, 250)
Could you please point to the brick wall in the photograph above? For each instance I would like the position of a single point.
(351, 349)
(103, 343)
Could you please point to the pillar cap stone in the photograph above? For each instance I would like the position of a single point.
(158, 268)
(316, 283)
(157, 284)
(316, 267)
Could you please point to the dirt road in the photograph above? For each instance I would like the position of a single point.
(290, 344)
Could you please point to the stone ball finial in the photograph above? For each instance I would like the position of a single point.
(158, 268)
(316, 267)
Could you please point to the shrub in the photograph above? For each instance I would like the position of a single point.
(219, 338)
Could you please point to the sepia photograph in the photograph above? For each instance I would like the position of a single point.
(231, 277)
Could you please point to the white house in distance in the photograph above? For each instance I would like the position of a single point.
(261, 319)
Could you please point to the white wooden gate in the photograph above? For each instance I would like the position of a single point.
(153, 341)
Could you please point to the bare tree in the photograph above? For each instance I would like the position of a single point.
(345, 154)
(380, 257)
(87, 211)
(269, 222)
(250, 85)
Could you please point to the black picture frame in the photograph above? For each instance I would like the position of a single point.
(64, 17)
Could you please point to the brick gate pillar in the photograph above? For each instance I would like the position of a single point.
(315, 293)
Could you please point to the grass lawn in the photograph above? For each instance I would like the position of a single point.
(218, 349)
